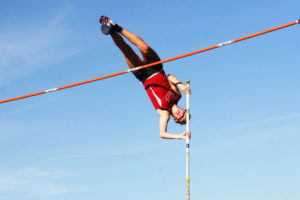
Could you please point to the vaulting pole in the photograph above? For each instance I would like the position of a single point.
(155, 63)
(187, 144)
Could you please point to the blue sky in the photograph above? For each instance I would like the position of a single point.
(101, 140)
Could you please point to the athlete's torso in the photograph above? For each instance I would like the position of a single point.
(160, 91)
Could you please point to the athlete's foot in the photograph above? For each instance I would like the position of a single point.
(108, 26)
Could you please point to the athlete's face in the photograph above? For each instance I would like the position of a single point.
(180, 116)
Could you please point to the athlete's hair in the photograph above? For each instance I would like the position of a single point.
(182, 122)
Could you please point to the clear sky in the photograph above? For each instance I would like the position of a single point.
(101, 140)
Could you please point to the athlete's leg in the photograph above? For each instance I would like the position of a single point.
(132, 59)
(149, 55)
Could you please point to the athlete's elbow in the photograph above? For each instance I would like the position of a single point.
(162, 135)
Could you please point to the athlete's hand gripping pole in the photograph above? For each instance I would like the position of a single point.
(187, 143)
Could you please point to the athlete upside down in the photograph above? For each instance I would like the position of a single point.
(162, 90)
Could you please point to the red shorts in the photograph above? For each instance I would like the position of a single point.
(160, 92)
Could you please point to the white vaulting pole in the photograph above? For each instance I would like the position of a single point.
(187, 143)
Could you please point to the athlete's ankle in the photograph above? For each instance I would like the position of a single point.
(117, 28)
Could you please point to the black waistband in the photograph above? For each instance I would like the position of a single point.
(144, 74)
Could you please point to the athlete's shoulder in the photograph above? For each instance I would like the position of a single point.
(163, 112)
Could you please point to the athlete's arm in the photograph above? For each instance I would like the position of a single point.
(174, 80)
(163, 124)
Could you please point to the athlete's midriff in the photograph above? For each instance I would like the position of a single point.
(160, 92)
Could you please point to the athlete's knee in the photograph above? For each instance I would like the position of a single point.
(144, 48)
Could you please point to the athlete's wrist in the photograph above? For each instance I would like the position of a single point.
(182, 86)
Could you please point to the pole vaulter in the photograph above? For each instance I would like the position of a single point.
(154, 63)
